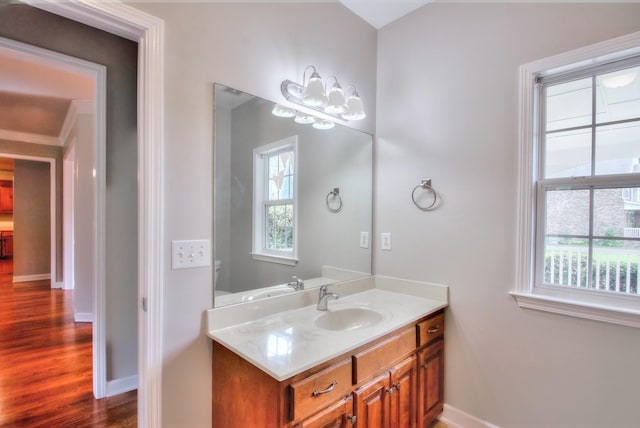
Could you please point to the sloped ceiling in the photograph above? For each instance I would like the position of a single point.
(379, 13)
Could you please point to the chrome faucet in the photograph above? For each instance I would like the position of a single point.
(296, 283)
(324, 297)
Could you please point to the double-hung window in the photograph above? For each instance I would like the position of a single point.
(275, 202)
(579, 249)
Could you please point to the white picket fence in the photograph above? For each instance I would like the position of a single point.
(632, 232)
(567, 265)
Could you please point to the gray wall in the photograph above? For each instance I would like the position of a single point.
(39, 28)
(32, 218)
(454, 70)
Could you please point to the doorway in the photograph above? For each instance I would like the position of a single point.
(83, 134)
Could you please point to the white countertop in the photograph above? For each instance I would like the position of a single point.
(279, 335)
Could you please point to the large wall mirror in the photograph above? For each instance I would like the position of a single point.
(290, 201)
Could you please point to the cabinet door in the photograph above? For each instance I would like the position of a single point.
(338, 415)
(430, 383)
(372, 403)
(6, 199)
(403, 401)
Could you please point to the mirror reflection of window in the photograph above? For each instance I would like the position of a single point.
(274, 222)
(278, 208)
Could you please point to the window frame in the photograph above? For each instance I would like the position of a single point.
(260, 202)
(591, 304)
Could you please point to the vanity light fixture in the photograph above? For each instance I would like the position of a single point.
(333, 101)
(323, 124)
(313, 93)
(304, 118)
(283, 111)
(336, 103)
(354, 109)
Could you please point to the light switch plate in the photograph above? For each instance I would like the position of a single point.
(190, 254)
(385, 241)
(364, 239)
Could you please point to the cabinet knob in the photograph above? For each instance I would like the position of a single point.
(425, 366)
(352, 419)
(390, 391)
(396, 386)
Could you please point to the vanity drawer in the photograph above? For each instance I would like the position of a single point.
(372, 360)
(430, 329)
(320, 390)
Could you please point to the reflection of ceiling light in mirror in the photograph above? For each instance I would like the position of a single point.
(619, 80)
(304, 119)
(323, 124)
(283, 111)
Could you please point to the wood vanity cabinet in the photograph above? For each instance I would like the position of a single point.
(389, 400)
(337, 415)
(430, 369)
(396, 381)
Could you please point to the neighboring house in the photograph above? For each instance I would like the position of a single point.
(617, 211)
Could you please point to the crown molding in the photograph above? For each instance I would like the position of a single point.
(26, 137)
(77, 108)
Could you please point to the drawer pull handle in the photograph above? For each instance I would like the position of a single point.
(352, 419)
(433, 329)
(324, 391)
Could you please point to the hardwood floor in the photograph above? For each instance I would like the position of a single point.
(45, 362)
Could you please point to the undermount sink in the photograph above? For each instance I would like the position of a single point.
(346, 319)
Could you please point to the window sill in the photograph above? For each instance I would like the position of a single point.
(575, 308)
(289, 261)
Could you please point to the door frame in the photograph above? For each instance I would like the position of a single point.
(148, 32)
(68, 217)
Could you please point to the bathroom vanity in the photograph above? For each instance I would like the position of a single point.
(375, 358)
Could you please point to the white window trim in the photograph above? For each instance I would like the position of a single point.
(617, 309)
(258, 253)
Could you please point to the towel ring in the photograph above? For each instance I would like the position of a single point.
(334, 194)
(426, 185)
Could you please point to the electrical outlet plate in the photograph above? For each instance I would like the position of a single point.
(190, 254)
(385, 241)
(364, 239)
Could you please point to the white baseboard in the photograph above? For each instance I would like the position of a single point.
(122, 385)
(456, 418)
(83, 317)
(58, 284)
(27, 278)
